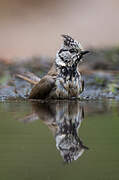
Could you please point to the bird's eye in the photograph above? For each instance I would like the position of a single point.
(64, 70)
(73, 50)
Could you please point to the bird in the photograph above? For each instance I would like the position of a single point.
(63, 81)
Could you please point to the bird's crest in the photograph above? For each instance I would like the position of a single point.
(70, 42)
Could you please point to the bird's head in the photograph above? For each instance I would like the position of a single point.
(71, 52)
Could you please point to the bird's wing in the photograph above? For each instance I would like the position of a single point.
(42, 89)
(52, 71)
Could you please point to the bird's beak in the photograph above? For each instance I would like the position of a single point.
(84, 52)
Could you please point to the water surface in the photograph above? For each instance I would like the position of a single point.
(59, 140)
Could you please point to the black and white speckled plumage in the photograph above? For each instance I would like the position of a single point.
(69, 83)
(63, 81)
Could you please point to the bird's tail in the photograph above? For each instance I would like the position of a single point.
(29, 77)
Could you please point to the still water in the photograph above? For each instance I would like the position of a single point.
(59, 140)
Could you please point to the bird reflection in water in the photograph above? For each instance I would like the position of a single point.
(64, 120)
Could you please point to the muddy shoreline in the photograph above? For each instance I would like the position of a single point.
(100, 71)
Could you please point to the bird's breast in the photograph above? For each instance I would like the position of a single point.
(68, 86)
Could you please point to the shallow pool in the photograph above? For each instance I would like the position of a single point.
(59, 140)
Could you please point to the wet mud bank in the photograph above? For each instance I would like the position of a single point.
(100, 72)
